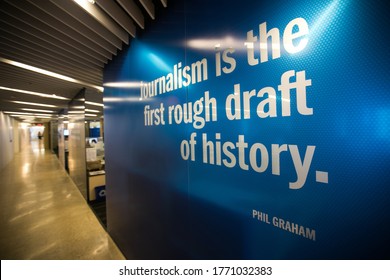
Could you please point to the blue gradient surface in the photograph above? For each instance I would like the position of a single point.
(163, 207)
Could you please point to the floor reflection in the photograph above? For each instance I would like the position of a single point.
(43, 214)
(37, 146)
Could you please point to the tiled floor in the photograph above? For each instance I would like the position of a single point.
(44, 216)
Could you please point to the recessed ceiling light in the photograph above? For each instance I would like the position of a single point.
(94, 103)
(35, 117)
(34, 104)
(48, 73)
(92, 111)
(34, 93)
(22, 113)
(37, 110)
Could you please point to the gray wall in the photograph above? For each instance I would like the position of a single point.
(6, 140)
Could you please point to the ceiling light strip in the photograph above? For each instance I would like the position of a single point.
(30, 114)
(34, 104)
(34, 93)
(36, 110)
(48, 73)
(94, 103)
(92, 111)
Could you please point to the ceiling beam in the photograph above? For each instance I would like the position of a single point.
(165, 3)
(73, 10)
(62, 31)
(52, 32)
(29, 36)
(132, 9)
(75, 25)
(113, 10)
(149, 7)
(104, 19)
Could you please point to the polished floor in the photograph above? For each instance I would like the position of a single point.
(44, 216)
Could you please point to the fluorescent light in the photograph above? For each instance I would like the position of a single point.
(91, 115)
(48, 73)
(29, 114)
(94, 103)
(34, 104)
(37, 110)
(36, 116)
(92, 111)
(20, 113)
(35, 93)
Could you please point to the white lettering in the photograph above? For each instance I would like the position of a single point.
(181, 76)
(258, 156)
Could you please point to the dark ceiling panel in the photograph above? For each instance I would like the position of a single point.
(62, 30)
(52, 36)
(73, 10)
(37, 41)
(76, 26)
(64, 38)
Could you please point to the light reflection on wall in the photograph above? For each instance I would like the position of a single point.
(159, 63)
(325, 18)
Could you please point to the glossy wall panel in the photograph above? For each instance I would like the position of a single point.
(252, 131)
(76, 140)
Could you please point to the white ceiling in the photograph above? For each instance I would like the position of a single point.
(63, 37)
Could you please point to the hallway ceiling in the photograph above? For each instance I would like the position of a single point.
(74, 38)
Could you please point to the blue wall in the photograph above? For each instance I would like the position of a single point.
(300, 169)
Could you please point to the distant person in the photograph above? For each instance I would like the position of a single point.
(92, 142)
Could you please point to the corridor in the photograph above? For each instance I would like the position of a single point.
(44, 216)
